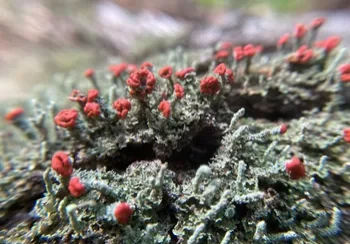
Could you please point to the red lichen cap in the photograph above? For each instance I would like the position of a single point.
(301, 56)
(75, 187)
(89, 73)
(14, 114)
(249, 50)
(122, 107)
(118, 69)
(92, 94)
(283, 129)
(344, 69)
(182, 73)
(222, 54)
(179, 91)
(226, 45)
(165, 108)
(238, 53)
(166, 72)
(209, 85)
(345, 78)
(146, 65)
(283, 40)
(92, 109)
(61, 164)
(329, 44)
(295, 168)
(300, 31)
(318, 22)
(123, 212)
(142, 79)
(220, 69)
(67, 118)
(346, 136)
(77, 96)
(230, 76)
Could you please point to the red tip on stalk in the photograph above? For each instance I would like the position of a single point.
(346, 135)
(61, 164)
(131, 68)
(220, 69)
(230, 76)
(344, 72)
(301, 56)
(238, 54)
(75, 187)
(67, 118)
(209, 85)
(92, 94)
(295, 168)
(299, 31)
(166, 72)
(318, 22)
(122, 107)
(283, 40)
(329, 44)
(123, 212)
(179, 91)
(92, 109)
(182, 73)
(14, 113)
(249, 50)
(89, 73)
(165, 108)
(77, 96)
(141, 82)
(222, 54)
(283, 129)
(226, 45)
(118, 69)
(147, 65)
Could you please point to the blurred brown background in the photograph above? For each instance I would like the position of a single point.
(41, 37)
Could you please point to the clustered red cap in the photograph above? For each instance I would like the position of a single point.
(77, 96)
(165, 108)
(118, 69)
(141, 82)
(301, 56)
(75, 187)
(226, 45)
(238, 54)
(300, 31)
(283, 40)
(222, 54)
(92, 94)
(14, 114)
(61, 164)
(295, 168)
(122, 106)
(220, 69)
(92, 109)
(346, 133)
(123, 212)
(329, 44)
(182, 73)
(318, 22)
(89, 73)
(146, 65)
(249, 50)
(209, 85)
(166, 72)
(230, 76)
(67, 118)
(344, 72)
(179, 91)
(283, 129)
